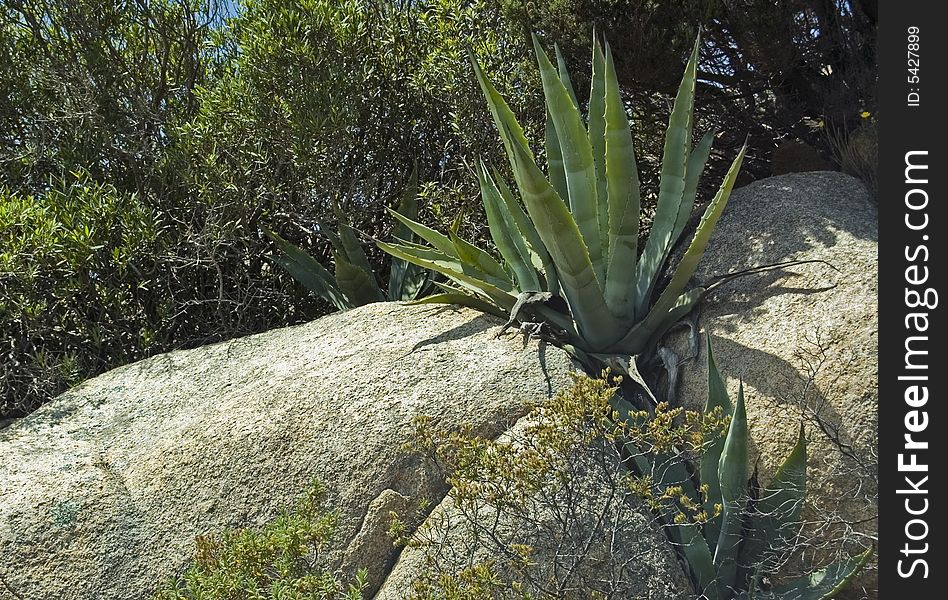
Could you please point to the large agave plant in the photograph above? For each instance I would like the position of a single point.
(750, 532)
(354, 283)
(578, 238)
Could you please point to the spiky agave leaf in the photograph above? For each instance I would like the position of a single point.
(642, 333)
(776, 519)
(623, 200)
(671, 186)
(820, 585)
(308, 271)
(732, 474)
(710, 458)
(577, 156)
(406, 281)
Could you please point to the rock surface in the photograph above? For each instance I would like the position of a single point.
(103, 490)
(804, 337)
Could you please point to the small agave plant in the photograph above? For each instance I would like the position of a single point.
(354, 283)
(748, 535)
(578, 239)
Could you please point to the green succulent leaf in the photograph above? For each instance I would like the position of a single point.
(732, 474)
(710, 459)
(463, 274)
(671, 186)
(776, 520)
(509, 240)
(357, 283)
(440, 241)
(307, 270)
(539, 256)
(470, 254)
(697, 159)
(560, 234)
(624, 198)
(637, 338)
(700, 562)
(564, 74)
(554, 158)
(577, 159)
(820, 585)
(406, 281)
(597, 141)
(460, 299)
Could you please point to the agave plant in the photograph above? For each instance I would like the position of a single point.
(578, 238)
(354, 282)
(749, 532)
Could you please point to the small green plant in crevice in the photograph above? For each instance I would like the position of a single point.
(572, 257)
(354, 282)
(280, 561)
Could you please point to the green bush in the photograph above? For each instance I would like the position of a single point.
(77, 287)
(281, 561)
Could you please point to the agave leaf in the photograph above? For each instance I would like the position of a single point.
(682, 307)
(463, 274)
(462, 300)
(732, 474)
(820, 585)
(470, 254)
(436, 239)
(710, 459)
(564, 74)
(698, 556)
(358, 284)
(633, 342)
(307, 270)
(554, 158)
(504, 118)
(695, 167)
(671, 185)
(597, 141)
(539, 256)
(446, 265)
(776, 519)
(577, 160)
(561, 236)
(405, 280)
(505, 234)
(622, 183)
(352, 248)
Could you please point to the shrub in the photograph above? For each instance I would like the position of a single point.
(279, 562)
(77, 287)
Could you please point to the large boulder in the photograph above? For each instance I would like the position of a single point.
(103, 490)
(803, 339)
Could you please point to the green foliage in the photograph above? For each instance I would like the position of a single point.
(753, 534)
(734, 538)
(280, 561)
(77, 281)
(354, 283)
(92, 85)
(220, 126)
(578, 237)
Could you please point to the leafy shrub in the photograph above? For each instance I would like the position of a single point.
(279, 562)
(77, 283)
